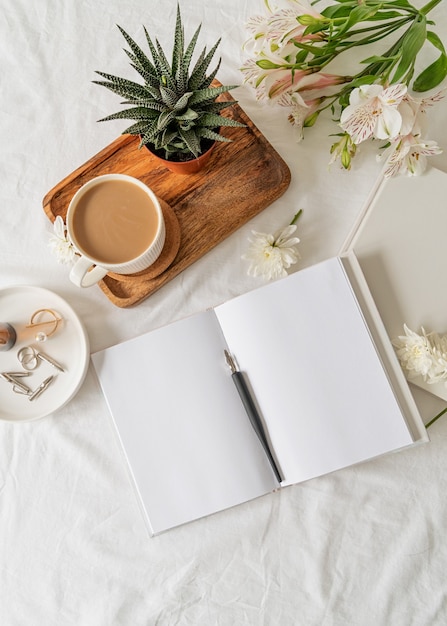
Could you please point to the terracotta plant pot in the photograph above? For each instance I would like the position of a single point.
(186, 167)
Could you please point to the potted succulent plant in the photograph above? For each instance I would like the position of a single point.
(174, 110)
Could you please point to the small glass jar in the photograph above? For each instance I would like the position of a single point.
(7, 336)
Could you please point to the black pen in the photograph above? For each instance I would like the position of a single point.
(252, 411)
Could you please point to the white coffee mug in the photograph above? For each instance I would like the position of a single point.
(115, 223)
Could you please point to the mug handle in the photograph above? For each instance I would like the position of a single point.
(84, 274)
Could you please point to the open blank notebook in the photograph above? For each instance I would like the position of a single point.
(319, 366)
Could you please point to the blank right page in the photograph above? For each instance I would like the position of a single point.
(307, 353)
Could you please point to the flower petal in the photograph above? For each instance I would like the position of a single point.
(388, 123)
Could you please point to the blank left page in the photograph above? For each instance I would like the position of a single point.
(187, 439)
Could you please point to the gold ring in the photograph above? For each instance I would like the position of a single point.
(42, 336)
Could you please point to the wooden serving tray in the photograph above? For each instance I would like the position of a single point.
(242, 178)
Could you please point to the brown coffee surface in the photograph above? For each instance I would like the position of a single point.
(114, 222)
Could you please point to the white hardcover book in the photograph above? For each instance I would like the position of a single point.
(319, 366)
(399, 241)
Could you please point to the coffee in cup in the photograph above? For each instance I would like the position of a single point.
(116, 224)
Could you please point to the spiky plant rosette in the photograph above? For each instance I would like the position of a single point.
(175, 111)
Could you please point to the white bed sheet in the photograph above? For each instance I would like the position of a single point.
(364, 546)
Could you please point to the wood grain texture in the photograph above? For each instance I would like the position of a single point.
(241, 179)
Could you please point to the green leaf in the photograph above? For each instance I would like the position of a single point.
(311, 29)
(164, 119)
(207, 80)
(121, 86)
(360, 13)
(435, 73)
(385, 15)
(149, 76)
(207, 133)
(182, 103)
(199, 71)
(136, 113)
(150, 80)
(149, 136)
(191, 140)
(216, 107)
(188, 116)
(163, 61)
(432, 76)
(315, 50)
(210, 94)
(168, 96)
(179, 43)
(435, 41)
(136, 129)
(162, 67)
(301, 57)
(189, 51)
(413, 41)
(335, 10)
(368, 79)
(130, 114)
(211, 120)
(182, 69)
(139, 56)
(379, 59)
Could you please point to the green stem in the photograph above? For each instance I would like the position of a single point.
(428, 7)
(296, 218)
(340, 46)
(380, 32)
(436, 417)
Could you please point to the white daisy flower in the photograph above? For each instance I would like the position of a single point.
(59, 244)
(270, 255)
(414, 352)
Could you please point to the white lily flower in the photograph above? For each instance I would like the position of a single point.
(59, 243)
(373, 112)
(270, 255)
(408, 155)
(291, 46)
(299, 110)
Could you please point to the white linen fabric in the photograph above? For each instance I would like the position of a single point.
(363, 546)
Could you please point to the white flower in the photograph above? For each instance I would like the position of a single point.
(413, 112)
(59, 243)
(439, 349)
(299, 110)
(407, 153)
(270, 255)
(278, 27)
(373, 112)
(414, 352)
(423, 355)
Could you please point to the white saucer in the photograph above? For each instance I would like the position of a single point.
(69, 346)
